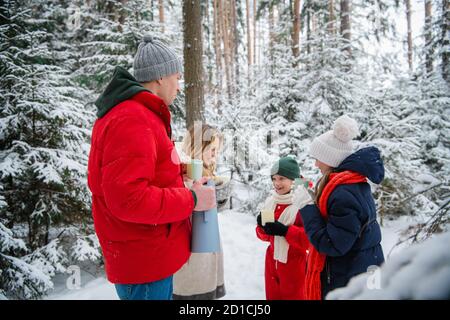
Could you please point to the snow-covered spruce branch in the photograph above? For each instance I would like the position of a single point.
(436, 221)
(420, 192)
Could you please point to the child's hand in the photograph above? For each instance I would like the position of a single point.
(275, 229)
(258, 220)
(301, 197)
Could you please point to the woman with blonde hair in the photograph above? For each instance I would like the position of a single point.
(202, 276)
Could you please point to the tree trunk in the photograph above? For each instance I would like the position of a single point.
(249, 42)
(161, 14)
(271, 37)
(110, 9)
(254, 31)
(445, 29)
(331, 18)
(236, 79)
(345, 25)
(308, 31)
(408, 23)
(313, 22)
(271, 28)
(217, 42)
(122, 14)
(193, 64)
(428, 38)
(296, 31)
(209, 53)
(150, 3)
(225, 30)
(262, 43)
(231, 39)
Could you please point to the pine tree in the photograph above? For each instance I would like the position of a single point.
(44, 143)
(18, 279)
(319, 91)
(444, 41)
(410, 123)
(108, 36)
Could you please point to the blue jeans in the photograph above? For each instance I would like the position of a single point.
(156, 290)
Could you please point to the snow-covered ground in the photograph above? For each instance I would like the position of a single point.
(244, 261)
(421, 271)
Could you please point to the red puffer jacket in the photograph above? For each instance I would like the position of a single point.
(140, 206)
(286, 281)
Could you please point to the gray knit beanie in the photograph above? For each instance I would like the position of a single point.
(154, 60)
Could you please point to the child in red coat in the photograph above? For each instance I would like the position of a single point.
(286, 255)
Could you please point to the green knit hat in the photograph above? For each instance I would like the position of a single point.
(286, 167)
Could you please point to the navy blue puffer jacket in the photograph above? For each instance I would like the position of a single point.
(351, 236)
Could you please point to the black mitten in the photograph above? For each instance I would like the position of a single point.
(275, 229)
(258, 220)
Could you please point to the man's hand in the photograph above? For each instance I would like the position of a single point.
(183, 169)
(206, 196)
(275, 229)
(188, 182)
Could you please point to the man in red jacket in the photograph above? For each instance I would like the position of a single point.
(140, 206)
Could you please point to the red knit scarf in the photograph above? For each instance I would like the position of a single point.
(316, 260)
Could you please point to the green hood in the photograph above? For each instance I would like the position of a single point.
(122, 87)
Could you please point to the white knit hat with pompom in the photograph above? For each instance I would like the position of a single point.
(335, 145)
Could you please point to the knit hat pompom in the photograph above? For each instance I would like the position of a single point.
(333, 146)
(345, 128)
(148, 38)
(155, 60)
